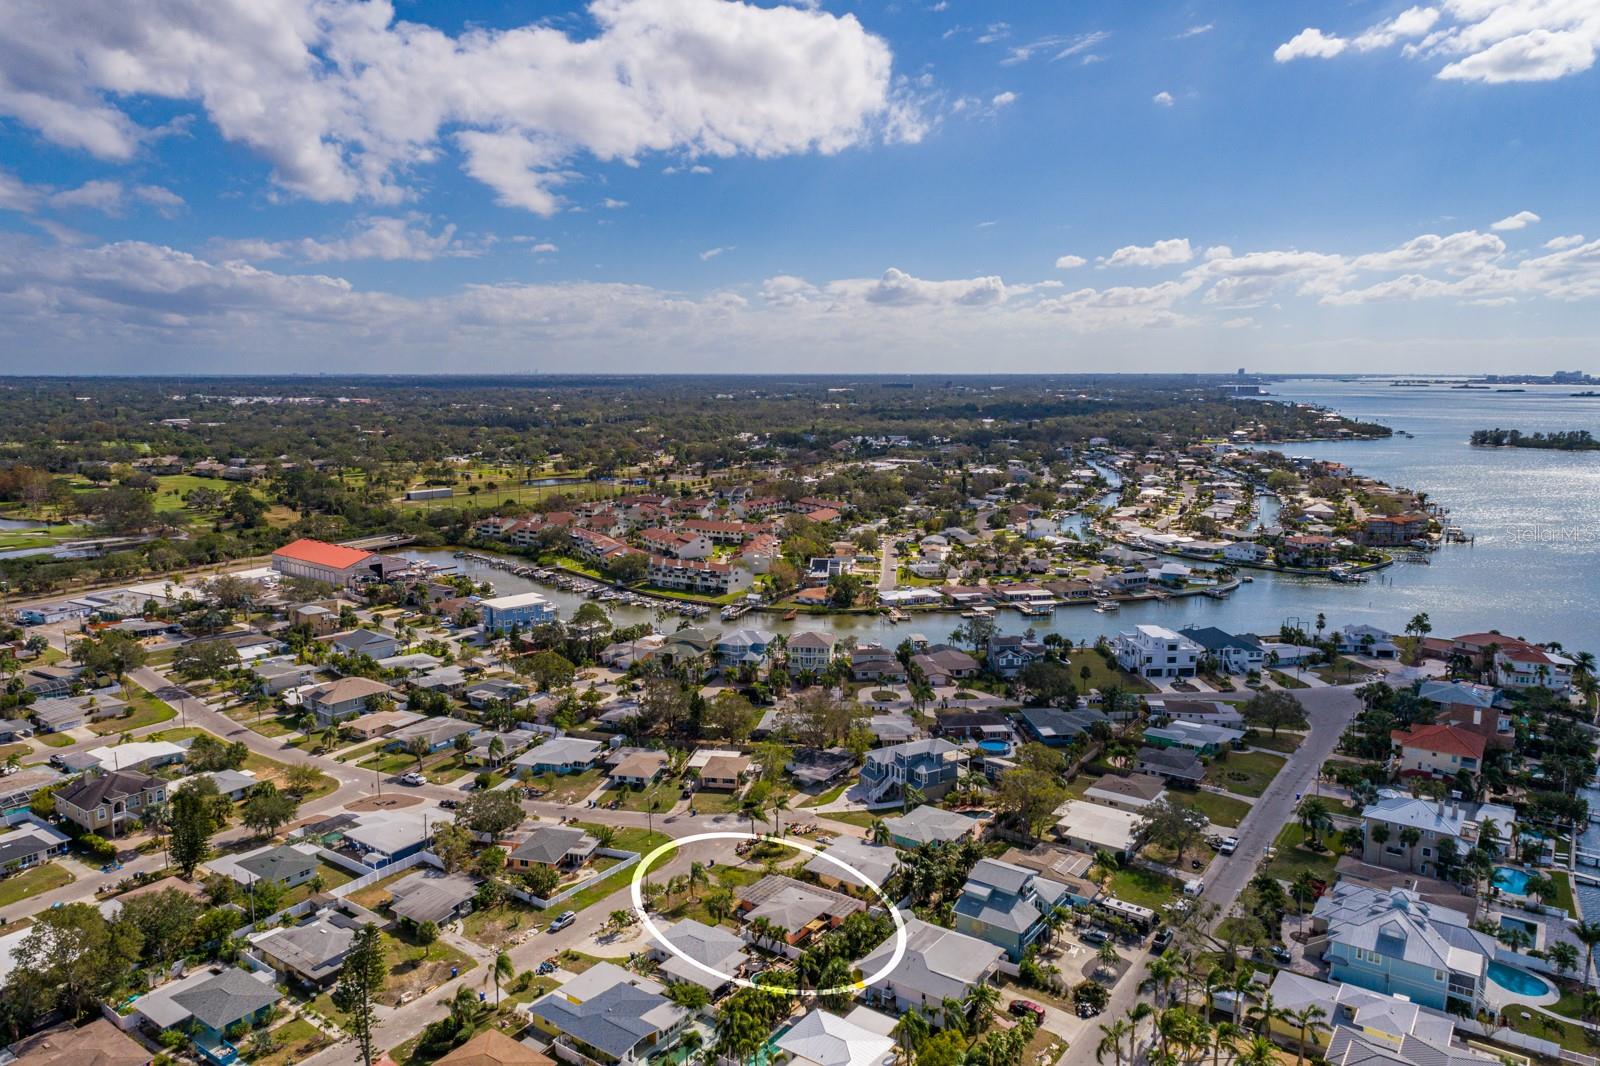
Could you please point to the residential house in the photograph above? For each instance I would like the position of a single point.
(1178, 766)
(1393, 941)
(561, 847)
(1206, 712)
(713, 947)
(30, 843)
(1201, 737)
(724, 773)
(1156, 651)
(1126, 792)
(928, 825)
(312, 952)
(1010, 654)
(511, 743)
(97, 1044)
(800, 911)
(431, 896)
(609, 1016)
(1232, 653)
(638, 769)
(286, 865)
(1006, 906)
(974, 725)
(59, 714)
(1092, 827)
(381, 723)
(931, 766)
(874, 662)
(824, 1039)
(704, 576)
(560, 755)
(676, 544)
(1470, 706)
(522, 611)
(1056, 728)
(491, 1047)
(280, 675)
(1306, 551)
(870, 865)
(939, 964)
(348, 697)
(1392, 531)
(1245, 553)
(1360, 1027)
(368, 642)
(107, 803)
(1438, 750)
(1388, 843)
(230, 998)
(1366, 640)
(489, 690)
(320, 618)
(812, 651)
(744, 647)
(944, 665)
(437, 733)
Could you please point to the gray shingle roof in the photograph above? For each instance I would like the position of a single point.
(612, 1021)
(228, 997)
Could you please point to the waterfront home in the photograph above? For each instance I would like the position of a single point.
(1232, 653)
(1308, 551)
(928, 825)
(1473, 707)
(744, 647)
(943, 665)
(1092, 827)
(939, 965)
(931, 766)
(874, 662)
(1129, 792)
(1392, 531)
(870, 864)
(1514, 663)
(811, 651)
(1206, 712)
(823, 1039)
(1010, 654)
(107, 803)
(800, 911)
(560, 755)
(674, 543)
(522, 610)
(348, 697)
(1360, 1027)
(711, 946)
(1387, 842)
(561, 847)
(333, 564)
(1173, 765)
(1203, 738)
(1437, 750)
(1156, 651)
(1006, 905)
(705, 576)
(1057, 728)
(1393, 941)
(1245, 552)
(1366, 640)
(608, 1016)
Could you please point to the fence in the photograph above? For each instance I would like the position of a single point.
(628, 859)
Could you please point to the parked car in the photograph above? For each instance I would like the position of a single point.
(411, 777)
(449, 804)
(1162, 940)
(1093, 937)
(1281, 954)
(564, 919)
(1229, 846)
(1019, 1007)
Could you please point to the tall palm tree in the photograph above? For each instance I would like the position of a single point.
(697, 876)
(878, 832)
(1111, 1041)
(1225, 1035)
(504, 970)
(982, 1003)
(1161, 972)
(1240, 986)
(1258, 1052)
(1264, 1015)
(777, 805)
(1588, 934)
(1306, 1018)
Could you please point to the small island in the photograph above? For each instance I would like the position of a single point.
(1572, 440)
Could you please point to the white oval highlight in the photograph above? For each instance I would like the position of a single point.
(888, 967)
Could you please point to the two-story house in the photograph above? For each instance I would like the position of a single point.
(106, 803)
(1156, 651)
(1404, 833)
(812, 651)
(931, 766)
(1232, 653)
(1006, 905)
(1010, 654)
(739, 647)
(1393, 941)
(1438, 750)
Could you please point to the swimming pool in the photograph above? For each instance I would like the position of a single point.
(1512, 880)
(1518, 981)
(1508, 922)
(998, 747)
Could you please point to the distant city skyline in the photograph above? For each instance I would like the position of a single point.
(702, 186)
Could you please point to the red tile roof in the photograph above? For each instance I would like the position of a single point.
(321, 553)
(1443, 739)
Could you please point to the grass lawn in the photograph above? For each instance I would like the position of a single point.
(1246, 772)
(569, 788)
(499, 926)
(358, 753)
(1292, 859)
(294, 1040)
(864, 819)
(712, 801)
(1287, 680)
(1563, 891)
(1222, 810)
(376, 894)
(414, 968)
(643, 841)
(1284, 742)
(19, 750)
(1103, 675)
(57, 740)
(819, 800)
(29, 883)
(332, 877)
(448, 770)
(1081, 784)
(1341, 671)
(390, 762)
(682, 905)
(143, 709)
(662, 794)
(1146, 888)
(1570, 1035)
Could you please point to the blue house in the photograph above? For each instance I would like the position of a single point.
(929, 765)
(1057, 728)
(522, 610)
(1006, 905)
(232, 1000)
(1392, 941)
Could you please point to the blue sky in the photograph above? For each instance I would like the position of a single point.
(703, 185)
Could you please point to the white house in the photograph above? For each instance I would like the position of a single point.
(1156, 651)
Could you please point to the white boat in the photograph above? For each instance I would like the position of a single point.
(1107, 606)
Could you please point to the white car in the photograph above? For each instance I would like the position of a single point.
(412, 778)
(1229, 846)
(564, 919)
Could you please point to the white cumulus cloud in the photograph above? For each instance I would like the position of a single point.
(1163, 98)
(1069, 262)
(1310, 43)
(1161, 253)
(1520, 220)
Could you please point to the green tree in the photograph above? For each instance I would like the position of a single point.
(266, 809)
(72, 958)
(360, 984)
(193, 822)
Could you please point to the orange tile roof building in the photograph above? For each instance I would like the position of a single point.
(321, 561)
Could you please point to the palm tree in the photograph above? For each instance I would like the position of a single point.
(1588, 934)
(1225, 1035)
(1240, 986)
(1306, 1018)
(697, 876)
(504, 970)
(1162, 971)
(982, 1002)
(911, 796)
(1315, 819)
(777, 805)
(1410, 837)
(878, 832)
(911, 1030)
(1267, 1013)
(1111, 1041)
(1108, 956)
(1258, 1052)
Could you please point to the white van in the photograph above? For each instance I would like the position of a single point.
(1194, 888)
